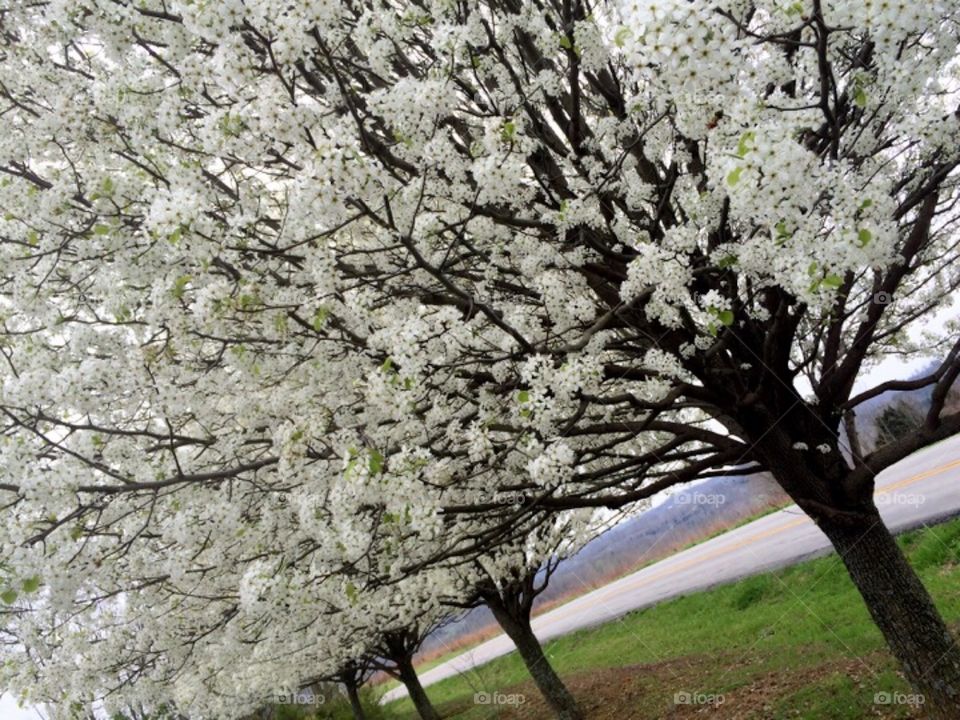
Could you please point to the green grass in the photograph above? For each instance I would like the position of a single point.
(334, 708)
(801, 617)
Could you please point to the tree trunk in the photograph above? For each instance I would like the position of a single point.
(903, 610)
(842, 506)
(408, 676)
(355, 705)
(556, 694)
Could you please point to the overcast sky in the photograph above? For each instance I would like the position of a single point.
(9, 710)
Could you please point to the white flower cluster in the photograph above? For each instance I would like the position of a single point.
(553, 466)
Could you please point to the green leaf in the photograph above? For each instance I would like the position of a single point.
(566, 43)
(180, 286)
(832, 281)
(31, 584)
(795, 9)
(33, 238)
(724, 316)
(348, 470)
(101, 229)
(231, 125)
(523, 396)
(320, 317)
(744, 146)
(376, 462)
(352, 593)
(727, 261)
(864, 237)
(620, 38)
(782, 232)
(9, 596)
(734, 177)
(174, 237)
(859, 96)
(508, 131)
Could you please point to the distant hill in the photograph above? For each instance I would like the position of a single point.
(692, 514)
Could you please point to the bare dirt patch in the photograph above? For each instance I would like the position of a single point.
(645, 692)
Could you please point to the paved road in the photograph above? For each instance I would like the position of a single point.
(922, 488)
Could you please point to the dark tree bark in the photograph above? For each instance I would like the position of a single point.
(353, 694)
(355, 705)
(408, 676)
(518, 627)
(394, 655)
(840, 501)
(903, 610)
(511, 602)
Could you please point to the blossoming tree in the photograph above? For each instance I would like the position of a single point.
(509, 579)
(338, 261)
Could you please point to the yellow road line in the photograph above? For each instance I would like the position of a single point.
(563, 612)
(920, 476)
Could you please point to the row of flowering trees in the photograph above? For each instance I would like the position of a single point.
(292, 290)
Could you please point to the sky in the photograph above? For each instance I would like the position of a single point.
(9, 710)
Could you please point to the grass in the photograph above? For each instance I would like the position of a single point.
(805, 622)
